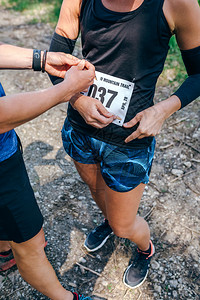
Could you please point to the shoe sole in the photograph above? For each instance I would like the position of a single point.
(97, 248)
(8, 265)
(139, 284)
(136, 286)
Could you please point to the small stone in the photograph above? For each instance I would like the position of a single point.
(84, 229)
(173, 283)
(162, 200)
(157, 288)
(104, 283)
(163, 278)
(188, 164)
(155, 265)
(177, 172)
(81, 198)
(175, 294)
(82, 260)
(37, 195)
(195, 135)
(73, 284)
(153, 276)
(180, 280)
(1, 281)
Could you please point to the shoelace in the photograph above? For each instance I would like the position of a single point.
(81, 297)
(140, 260)
(99, 229)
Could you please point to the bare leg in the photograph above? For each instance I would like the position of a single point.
(119, 208)
(35, 268)
(91, 175)
(4, 246)
(122, 215)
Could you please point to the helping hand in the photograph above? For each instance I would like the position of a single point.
(80, 77)
(57, 63)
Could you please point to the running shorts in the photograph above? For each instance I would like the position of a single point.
(20, 216)
(123, 169)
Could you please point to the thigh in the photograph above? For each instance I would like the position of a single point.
(91, 175)
(122, 207)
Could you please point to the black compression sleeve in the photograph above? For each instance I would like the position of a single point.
(60, 44)
(190, 89)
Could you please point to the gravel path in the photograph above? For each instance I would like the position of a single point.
(170, 202)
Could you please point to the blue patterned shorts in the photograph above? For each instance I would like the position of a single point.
(122, 169)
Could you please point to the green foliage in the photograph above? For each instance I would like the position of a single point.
(21, 5)
(53, 14)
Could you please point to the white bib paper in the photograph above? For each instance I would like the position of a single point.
(114, 93)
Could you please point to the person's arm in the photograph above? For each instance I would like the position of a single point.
(18, 109)
(64, 40)
(66, 32)
(13, 57)
(184, 20)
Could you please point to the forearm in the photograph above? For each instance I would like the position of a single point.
(12, 57)
(190, 88)
(167, 107)
(28, 106)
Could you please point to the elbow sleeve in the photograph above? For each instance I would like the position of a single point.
(60, 44)
(190, 89)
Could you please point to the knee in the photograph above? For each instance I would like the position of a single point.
(125, 230)
(31, 248)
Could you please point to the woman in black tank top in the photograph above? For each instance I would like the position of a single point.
(127, 41)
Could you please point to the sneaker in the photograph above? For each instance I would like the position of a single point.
(7, 260)
(80, 297)
(137, 272)
(97, 237)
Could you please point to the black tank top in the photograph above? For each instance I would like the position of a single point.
(130, 46)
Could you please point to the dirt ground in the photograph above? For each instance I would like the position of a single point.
(170, 202)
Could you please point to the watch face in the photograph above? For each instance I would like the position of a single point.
(36, 60)
(36, 55)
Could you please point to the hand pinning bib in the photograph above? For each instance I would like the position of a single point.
(114, 93)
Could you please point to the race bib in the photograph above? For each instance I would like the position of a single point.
(114, 93)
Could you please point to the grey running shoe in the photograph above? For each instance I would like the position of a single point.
(137, 272)
(98, 236)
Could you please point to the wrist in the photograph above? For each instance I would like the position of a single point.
(169, 106)
(64, 91)
(39, 60)
(73, 100)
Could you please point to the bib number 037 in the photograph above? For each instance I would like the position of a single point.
(114, 93)
(100, 94)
